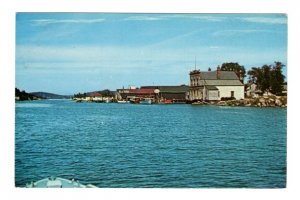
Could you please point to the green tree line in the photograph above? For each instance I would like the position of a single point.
(104, 93)
(23, 95)
(268, 78)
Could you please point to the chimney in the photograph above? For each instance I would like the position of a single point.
(218, 72)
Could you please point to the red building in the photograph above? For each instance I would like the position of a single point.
(136, 94)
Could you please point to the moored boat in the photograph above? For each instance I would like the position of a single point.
(56, 182)
(123, 101)
(166, 101)
(146, 101)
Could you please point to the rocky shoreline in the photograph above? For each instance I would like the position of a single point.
(264, 101)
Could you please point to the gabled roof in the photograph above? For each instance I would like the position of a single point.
(211, 87)
(95, 94)
(221, 82)
(224, 75)
(170, 89)
(225, 78)
(141, 91)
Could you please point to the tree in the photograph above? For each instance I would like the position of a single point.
(265, 82)
(236, 67)
(23, 95)
(268, 78)
(255, 75)
(277, 78)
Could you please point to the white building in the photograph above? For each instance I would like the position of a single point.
(214, 85)
(253, 91)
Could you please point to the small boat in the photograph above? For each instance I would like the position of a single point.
(166, 101)
(146, 101)
(198, 103)
(56, 182)
(123, 101)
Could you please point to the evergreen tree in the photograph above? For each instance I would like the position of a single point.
(265, 81)
(277, 78)
(268, 78)
(236, 67)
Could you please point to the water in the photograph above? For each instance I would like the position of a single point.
(173, 146)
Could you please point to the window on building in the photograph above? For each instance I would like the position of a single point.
(232, 93)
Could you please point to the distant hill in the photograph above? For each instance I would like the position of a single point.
(24, 96)
(104, 93)
(47, 95)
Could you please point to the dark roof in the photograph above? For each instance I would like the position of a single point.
(174, 89)
(221, 82)
(94, 94)
(226, 78)
(211, 87)
(170, 89)
(195, 72)
(224, 75)
(141, 91)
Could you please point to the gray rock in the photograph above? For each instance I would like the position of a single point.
(258, 104)
(221, 103)
(278, 102)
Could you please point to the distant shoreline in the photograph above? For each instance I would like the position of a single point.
(259, 102)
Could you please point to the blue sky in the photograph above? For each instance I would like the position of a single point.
(67, 53)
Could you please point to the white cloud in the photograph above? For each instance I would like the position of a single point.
(44, 22)
(114, 57)
(199, 17)
(176, 40)
(237, 32)
(214, 47)
(209, 18)
(131, 59)
(265, 20)
(98, 53)
(145, 18)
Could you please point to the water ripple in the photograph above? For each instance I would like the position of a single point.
(113, 145)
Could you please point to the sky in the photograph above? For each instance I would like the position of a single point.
(67, 53)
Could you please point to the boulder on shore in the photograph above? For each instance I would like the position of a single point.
(278, 102)
(266, 101)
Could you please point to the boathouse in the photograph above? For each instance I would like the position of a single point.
(171, 94)
(136, 93)
(215, 85)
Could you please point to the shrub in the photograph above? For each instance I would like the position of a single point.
(227, 98)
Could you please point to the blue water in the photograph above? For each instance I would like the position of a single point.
(126, 145)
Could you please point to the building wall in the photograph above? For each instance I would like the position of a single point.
(195, 93)
(213, 95)
(225, 91)
(170, 96)
(195, 79)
